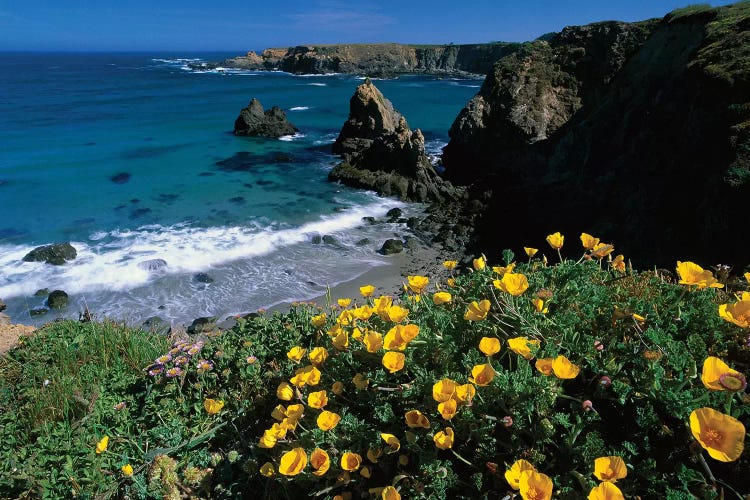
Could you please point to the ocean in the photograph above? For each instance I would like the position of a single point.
(131, 157)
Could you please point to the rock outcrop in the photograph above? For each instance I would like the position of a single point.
(637, 133)
(377, 60)
(255, 121)
(56, 254)
(382, 153)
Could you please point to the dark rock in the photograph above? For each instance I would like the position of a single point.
(57, 299)
(394, 213)
(203, 278)
(56, 254)
(152, 264)
(369, 220)
(412, 222)
(202, 325)
(120, 178)
(316, 239)
(363, 242)
(228, 323)
(330, 240)
(42, 292)
(38, 311)
(254, 121)
(3, 307)
(392, 246)
(156, 325)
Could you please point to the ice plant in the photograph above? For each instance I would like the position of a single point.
(489, 346)
(605, 491)
(477, 311)
(327, 420)
(415, 418)
(317, 399)
(737, 313)
(441, 298)
(213, 406)
(513, 475)
(101, 445)
(534, 485)
(723, 436)
(522, 346)
(393, 361)
(417, 284)
(444, 439)
(292, 462)
(350, 461)
(482, 375)
(588, 241)
(610, 468)
(319, 461)
(564, 369)
(392, 441)
(512, 283)
(692, 274)
(717, 376)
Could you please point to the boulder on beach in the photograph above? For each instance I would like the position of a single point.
(202, 325)
(57, 299)
(56, 254)
(392, 246)
(255, 121)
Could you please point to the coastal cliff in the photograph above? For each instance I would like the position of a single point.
(377, 60)
(636, 132)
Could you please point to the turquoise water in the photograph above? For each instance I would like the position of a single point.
(131, 157)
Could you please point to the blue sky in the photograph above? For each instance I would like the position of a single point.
(237, 26)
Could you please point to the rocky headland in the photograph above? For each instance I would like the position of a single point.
(376, 60)
(636, 132)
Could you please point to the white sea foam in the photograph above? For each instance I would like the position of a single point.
(110, 262)
(317, 84)
(299, 108)
(293, 137)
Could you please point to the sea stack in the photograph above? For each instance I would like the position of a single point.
(254, 121)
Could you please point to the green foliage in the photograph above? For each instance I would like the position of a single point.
(638, 338)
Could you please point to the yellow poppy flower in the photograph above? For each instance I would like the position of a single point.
(451, 282)
(292, 462)
(373, 341)
(610, 468)
(308, 375)
(441, 298)
(482, 375)
(444, 439)
(737, 313)
(417, 284)
(522, 346)
(605, 491)
(538, 304)
(344, 302)
(479, 263)
(360, 382)
(327, 420)
(101, 445)
(317, 399)
(618, 264)
(723, 436)
(392, 441)
(534, 485)
(319, 461)
(504, 269)
(390, 493)
(351, 461)
(512, 283)
(489, 346)
(278, 431)
(337, 388)
(393, 361)
(544, 365)
(415, 418)
(396, 314)
(382, 303)
(694, 275)
(284, 392)
(374, 454)
(450, 265)
(717, 376)
(362, 313)
(213, 406)
(588, 241)
(477, 311)
(447, 409)
(399, 336)
(465, 393)
(601, 250)
(127, 470)
(341, 341)
(747, 277)
(296, 353)
(513, 475)
(319, 320)
(267, 440)
(443, 390)
(556, 240)
(530, 252)
(345, 318)
(366, 291)
(564, 369)
(267, 470)
(318, 356)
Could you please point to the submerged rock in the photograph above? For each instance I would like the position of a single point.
(254, 121)
(57, 299)
(56, 254)
(203, 278)
(38, 311)
(152, 264)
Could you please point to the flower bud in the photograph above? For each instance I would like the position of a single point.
(605, 381)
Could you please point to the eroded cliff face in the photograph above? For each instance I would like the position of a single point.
(377, 60)
(637, 133)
